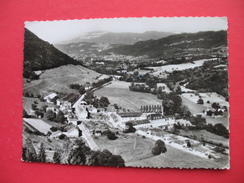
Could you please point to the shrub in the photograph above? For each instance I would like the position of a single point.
(200, 101)
(50, 115)
(62, 136)
(53, 129)
(112, 136)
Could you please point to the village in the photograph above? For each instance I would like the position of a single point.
(82, 120)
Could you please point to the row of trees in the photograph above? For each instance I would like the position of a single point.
(79, 154)
(81, 89)
(151, 108)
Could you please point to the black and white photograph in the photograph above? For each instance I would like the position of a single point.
(127, 92)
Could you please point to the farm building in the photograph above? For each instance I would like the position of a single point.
(140, 123)
(50, 97)
(154, 116)
(72, 133)
(37, 125)
(131, 116)
(83, 110)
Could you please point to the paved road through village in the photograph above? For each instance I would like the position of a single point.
(88, 137)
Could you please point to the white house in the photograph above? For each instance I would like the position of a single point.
(50, 97)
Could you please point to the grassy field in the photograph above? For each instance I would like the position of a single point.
(193, 106)
(59, 79)
(141, 156)
(210, 96)
(124, 146)
(118, 93)
(175, 158)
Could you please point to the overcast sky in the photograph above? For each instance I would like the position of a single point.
(58, 31)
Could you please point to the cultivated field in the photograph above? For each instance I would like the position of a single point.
(171, 68)
(59, 79)
(118, 93)
(193, 106)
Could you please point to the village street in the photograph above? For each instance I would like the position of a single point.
(88, 138)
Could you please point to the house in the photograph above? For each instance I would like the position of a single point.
(50, 97)
(54, 109)
(74, 132)
(83, 110)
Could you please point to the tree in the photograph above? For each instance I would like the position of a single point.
(209, 113)
(26, 94)
(33, 106)
(177, 89)
(129, 128)
(82, 90)
(156, 151)
(221, 130)
(29, 153)
(76, 156)
(111, 136)
(42, 154)
(25, 115)
(104, 101)
(50, 115)
(215, 105)
(198, 120)
(188, 143)
(60, 117)
(159, 148)
(105, 158)
(57, 156)
(200, 101)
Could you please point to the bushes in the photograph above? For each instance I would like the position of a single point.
(130, 128)
(105, 158)
(62, 136)
(60, 117)
(199, 121)
(218, 129)
(159, 148)
(53, 129)
(111, 136)
(50, 115)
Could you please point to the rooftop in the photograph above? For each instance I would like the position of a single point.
(130, 114)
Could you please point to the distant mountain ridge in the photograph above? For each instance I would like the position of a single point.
(174, 44)
(40, 55)
(118, 38)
